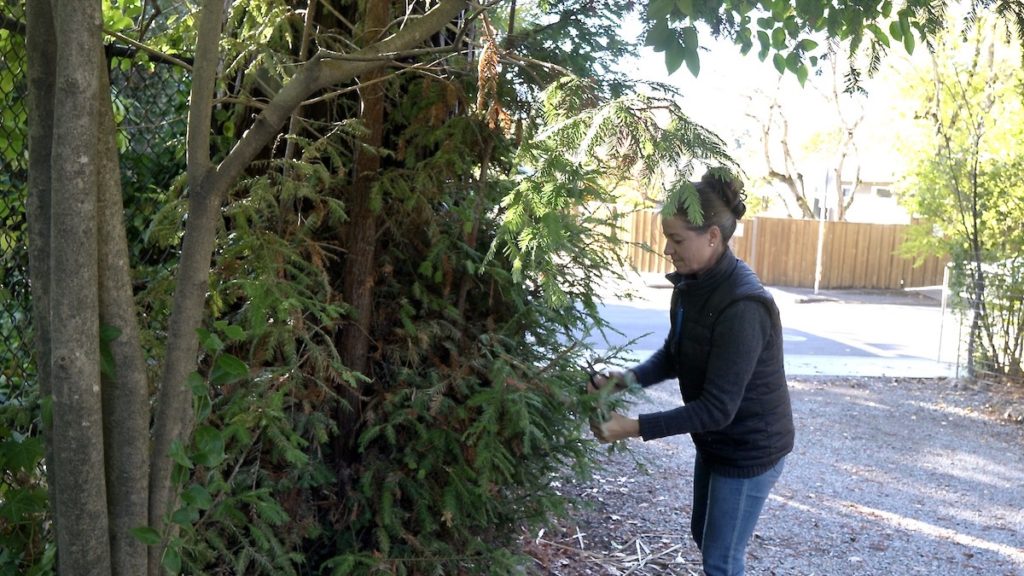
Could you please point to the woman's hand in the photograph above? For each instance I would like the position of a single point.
(617, 427)
(614, 381)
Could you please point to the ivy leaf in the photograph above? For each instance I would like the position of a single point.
(209, 446)
(660, 36)
(779, 38)
(908, 42)
(232, 331)
(766, 45)
(793, 62)
(904, 20)
(171, 561)
(227, 369)
(881, 36)
(20, 504)
(746, 43)
(806, 45)
(801, 73)
(659, 9)
(146, 535)
(21, 456)
(196, 383)
(178, 455)
(210, 341)
(895, 31)
(197, 496)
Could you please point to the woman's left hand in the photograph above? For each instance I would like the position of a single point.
(617, 427)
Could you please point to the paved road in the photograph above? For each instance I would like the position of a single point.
(838, 333)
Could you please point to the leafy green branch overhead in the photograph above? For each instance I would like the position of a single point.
(798, 34)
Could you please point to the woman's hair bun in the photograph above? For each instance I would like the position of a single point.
(730, 188)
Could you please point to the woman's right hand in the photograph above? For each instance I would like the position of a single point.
(613, 381)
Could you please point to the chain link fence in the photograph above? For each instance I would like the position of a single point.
(16, 371)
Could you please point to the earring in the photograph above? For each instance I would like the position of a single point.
(712, 244)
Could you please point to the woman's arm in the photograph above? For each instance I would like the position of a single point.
(657, 368)
(739, 337)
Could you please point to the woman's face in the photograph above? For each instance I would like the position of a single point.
(692, 252)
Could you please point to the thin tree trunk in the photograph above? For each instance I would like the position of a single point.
(82, 539)
(293, 125)
(360, 236)
(41, 44)
(126, 391)
(473, 236)
(173, 420)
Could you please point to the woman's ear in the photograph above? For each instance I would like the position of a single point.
(714, 236)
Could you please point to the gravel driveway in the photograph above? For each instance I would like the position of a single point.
(888, 477)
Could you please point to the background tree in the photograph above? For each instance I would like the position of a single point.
(780, 161)
(72, 327)
(792, 34)
(814, 140)
(965, 184)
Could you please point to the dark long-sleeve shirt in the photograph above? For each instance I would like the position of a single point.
(725, 348)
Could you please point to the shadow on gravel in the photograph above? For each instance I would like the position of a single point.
(888, 477)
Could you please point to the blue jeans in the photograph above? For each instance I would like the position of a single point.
(725, 511)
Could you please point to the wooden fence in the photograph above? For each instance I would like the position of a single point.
(783, 252)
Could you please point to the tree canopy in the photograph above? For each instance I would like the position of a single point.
(798, 35)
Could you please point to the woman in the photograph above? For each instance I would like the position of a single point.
(725, 348)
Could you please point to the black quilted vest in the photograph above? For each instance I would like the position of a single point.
(762, 430)
(691, 341)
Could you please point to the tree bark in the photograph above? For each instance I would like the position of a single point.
(360, 235)
(82, 537)
(41, 45)
(126, 391)
(173, 420)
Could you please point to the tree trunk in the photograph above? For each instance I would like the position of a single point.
(41, 45)
(126, 391)
(173, 421)
(82, 537)
(360, 235)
